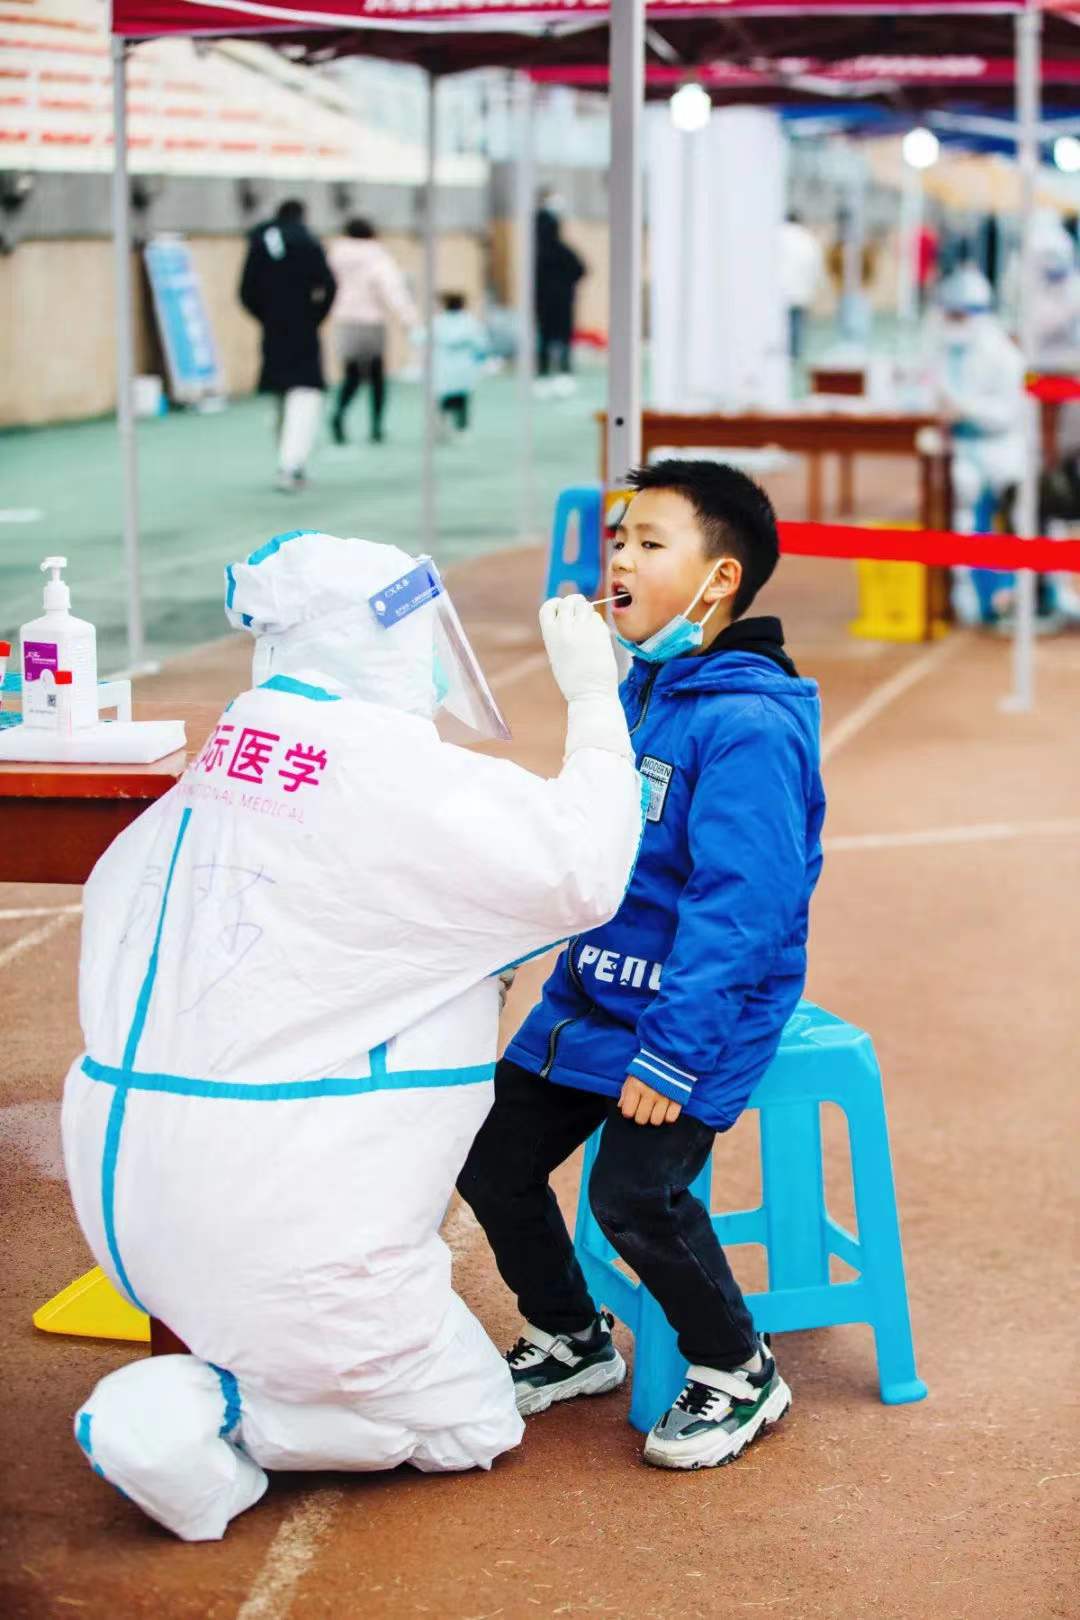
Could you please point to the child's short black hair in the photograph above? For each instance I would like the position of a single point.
(453, 301)
(737, 516)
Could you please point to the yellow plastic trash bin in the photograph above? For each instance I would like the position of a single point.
(899, 601)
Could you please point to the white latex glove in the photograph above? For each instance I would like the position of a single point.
(578, 644)
(582, 658)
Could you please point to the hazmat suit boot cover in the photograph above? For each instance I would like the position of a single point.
(290, 1022)
(156, 1429)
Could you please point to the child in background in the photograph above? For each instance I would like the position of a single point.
(460, 348)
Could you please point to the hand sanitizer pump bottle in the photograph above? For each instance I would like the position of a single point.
(59, 641)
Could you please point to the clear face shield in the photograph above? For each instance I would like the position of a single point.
(464, 704)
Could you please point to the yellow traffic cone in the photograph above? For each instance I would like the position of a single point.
(91, 1307)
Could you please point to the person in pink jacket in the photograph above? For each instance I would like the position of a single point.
(371, 288)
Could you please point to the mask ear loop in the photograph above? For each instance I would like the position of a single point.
(710, 611)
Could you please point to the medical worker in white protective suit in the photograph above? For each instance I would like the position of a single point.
(1055, 297)
(289, 999)
(980, 394)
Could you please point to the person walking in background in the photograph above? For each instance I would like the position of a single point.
(558, 271)
(460, 347)
(288, 287)
(371, 288)
(801, 266)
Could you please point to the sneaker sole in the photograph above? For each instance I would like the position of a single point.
(717, 1453)
(597, 1380)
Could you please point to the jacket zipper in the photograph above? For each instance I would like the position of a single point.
(557, 1029)
(553, 1041)
(571, 964)
(650, 682)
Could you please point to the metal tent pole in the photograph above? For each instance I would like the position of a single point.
(427, 475)
(524, 210)
(125, 359)
(911, 218)
(627, 72)
(1028, 69)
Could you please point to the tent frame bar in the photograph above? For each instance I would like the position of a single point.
(627, 96)
(428, 509)
(525, 298)
(125, 360)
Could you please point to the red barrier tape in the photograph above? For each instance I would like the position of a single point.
(1054, 390)
(937, 547)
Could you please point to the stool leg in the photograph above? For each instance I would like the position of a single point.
(659, 1367)
(793, 1195)
(879, 1239)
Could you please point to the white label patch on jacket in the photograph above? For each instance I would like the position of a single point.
(658, 774)
(273, 775)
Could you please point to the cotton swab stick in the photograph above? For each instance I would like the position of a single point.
(604, 600)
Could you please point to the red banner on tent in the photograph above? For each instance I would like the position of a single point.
(948, 71)
(141, 18)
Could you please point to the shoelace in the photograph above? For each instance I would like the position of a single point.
(698, 1399)
(524, 1354)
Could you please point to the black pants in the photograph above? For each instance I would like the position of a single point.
(354, 375)
(639, 1195)
(554, 352)
(796, 331)
(456, 406)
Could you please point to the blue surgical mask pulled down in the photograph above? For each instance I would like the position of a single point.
(680, 635)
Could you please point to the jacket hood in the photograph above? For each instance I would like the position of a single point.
(763, 635)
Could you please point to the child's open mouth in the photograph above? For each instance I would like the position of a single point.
(623, 600)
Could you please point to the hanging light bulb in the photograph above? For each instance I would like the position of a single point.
(921, 148)
(690, 108)
(1067, 154)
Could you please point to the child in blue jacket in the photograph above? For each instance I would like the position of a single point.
(660, 1024)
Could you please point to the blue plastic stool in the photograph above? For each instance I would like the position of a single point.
(821, 1059)
(584, 570)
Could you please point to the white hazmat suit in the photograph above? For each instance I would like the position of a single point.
(290, 1016)
(980, 387)
(1055, 297)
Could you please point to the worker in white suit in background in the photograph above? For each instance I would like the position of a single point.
(1055, 295)
(979, 380)
(289, 998)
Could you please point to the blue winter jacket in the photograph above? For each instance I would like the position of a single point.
(690, 985)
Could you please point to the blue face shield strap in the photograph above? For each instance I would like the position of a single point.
(680, 635)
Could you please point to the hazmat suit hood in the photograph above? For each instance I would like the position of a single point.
(306, 598)
(1053, 250)
(966, 303)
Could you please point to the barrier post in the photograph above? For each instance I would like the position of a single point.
(1028, 50)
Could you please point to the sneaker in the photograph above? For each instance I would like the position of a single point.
(548, 1368)
(291, 483)
(717, 1415)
